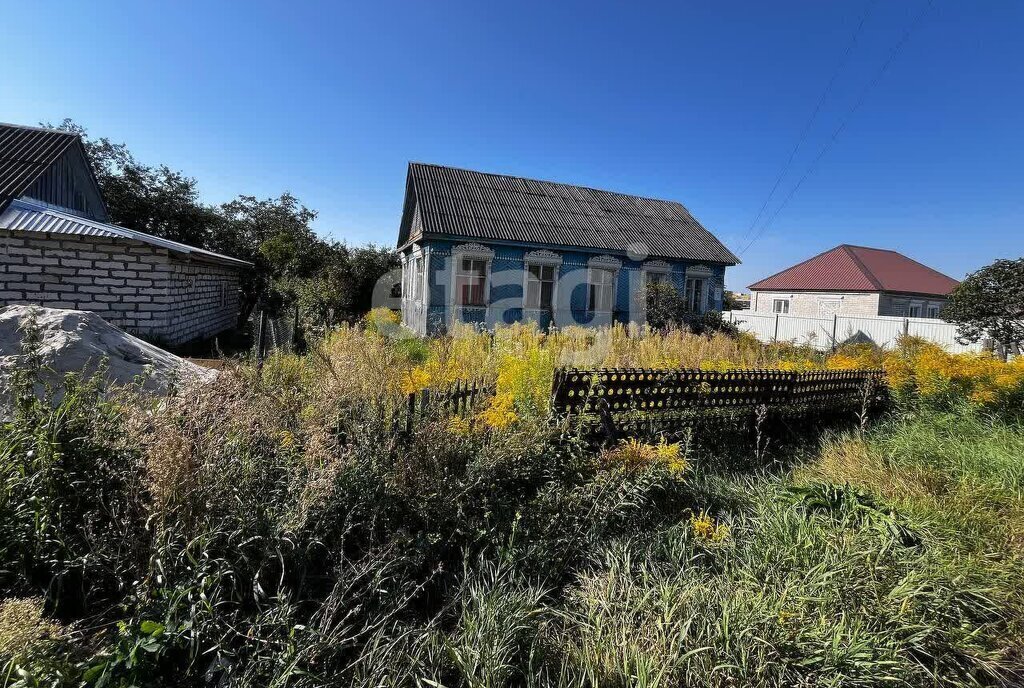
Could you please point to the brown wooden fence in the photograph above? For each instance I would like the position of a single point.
(628, 400)
(460, 397)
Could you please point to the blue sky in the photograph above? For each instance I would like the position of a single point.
(698, 102)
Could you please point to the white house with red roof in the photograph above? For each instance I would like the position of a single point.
(854, 281)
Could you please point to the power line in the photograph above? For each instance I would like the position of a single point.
(842, 125)
(817, 108)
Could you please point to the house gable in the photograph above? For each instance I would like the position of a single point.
(49, 166)
(69, 183)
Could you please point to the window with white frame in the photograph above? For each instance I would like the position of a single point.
(656, 277)
(934, 310)
(471, 281)
(602, 288)
(780, 306)
(695, 290)
(417, 279)
(540, 286)
(916, 310)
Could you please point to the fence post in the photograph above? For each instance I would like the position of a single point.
(259, 335)
(835, 329)
(906, 326)
(775, 336)
(295, 328)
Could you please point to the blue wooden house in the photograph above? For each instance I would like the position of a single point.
(488, 249)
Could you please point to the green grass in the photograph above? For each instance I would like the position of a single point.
(251, 533)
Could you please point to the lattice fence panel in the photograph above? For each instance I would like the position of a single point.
(638, 400)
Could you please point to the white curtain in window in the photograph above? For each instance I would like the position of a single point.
(602, 289)
(540, 286)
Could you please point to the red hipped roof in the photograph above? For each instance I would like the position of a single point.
(859, 268)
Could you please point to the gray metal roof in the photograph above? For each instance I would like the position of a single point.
(26, 216)
(450, 202)
(25, 155)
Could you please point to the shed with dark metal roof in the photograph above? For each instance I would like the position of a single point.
(59, 250)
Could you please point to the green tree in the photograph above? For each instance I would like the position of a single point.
(665, 305)
(274, 234)
(330, 280)
(343, 288)
(990, 303)
(155, 200)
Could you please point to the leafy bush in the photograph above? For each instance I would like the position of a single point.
(279, 526)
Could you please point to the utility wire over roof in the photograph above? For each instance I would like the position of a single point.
(449, 202)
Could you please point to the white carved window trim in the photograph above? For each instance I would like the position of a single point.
(417, 268)
(655, 267)
(541, 259)
(604, 265)
(705, 275)
(471, 252)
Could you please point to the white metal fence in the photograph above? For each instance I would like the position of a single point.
(824, 333)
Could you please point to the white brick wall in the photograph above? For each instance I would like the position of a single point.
(809, 305)
(136, 286)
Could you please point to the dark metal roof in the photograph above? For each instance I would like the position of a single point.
(26, 153)
(450, 202)
(859, 268)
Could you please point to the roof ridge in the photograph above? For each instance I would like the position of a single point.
(863, 268)
(51, 130)
(904, 256)
(549, 181)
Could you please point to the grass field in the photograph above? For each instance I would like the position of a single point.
(274, 528)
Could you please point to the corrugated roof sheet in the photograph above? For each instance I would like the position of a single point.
(25, 216)
(446, 201)
(859, 268)
(25, 154)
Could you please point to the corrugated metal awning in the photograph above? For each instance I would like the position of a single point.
(26, 216)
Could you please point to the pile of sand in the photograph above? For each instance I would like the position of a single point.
(78, 341)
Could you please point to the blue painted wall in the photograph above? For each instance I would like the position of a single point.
(505, 285)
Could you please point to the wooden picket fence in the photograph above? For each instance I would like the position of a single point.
(459, 398)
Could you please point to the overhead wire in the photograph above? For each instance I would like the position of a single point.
(814, 115)
(842, 125)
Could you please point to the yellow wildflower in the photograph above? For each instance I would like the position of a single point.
(704, 527)
(457, 425)
(415, 380)
(499, 413)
